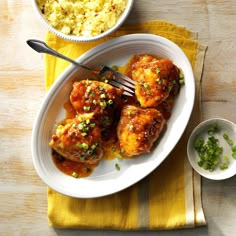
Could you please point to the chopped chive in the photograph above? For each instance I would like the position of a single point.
(131, 127)
(88, 89)
(233, 148)
(86, 108)
(181, 75)
(212, 129)
(80, 145)
(85, 145)
(90, 152)
(82, 158)
(122, 150)
(103, 95)
(110, 102)
(115, 67)
(234, 155)
(158, 70)
(103, 104)
(81, 126)
(94, 146)
(181, 82)
(92, 125)
(225, 164)
(92, 94)
(227, 139)
(117, 166)
(75, 175)
(158, 80)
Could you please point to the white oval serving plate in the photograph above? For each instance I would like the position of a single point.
(106, 179)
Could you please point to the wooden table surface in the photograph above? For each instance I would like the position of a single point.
(23, 204)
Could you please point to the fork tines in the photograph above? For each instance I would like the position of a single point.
(123, 82)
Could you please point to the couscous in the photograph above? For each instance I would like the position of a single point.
(86, 18)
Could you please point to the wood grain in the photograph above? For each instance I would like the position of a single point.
(23, 205)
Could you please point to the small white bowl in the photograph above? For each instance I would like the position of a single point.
(74, 38)
(201, 130)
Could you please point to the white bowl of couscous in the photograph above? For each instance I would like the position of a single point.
(82, 21)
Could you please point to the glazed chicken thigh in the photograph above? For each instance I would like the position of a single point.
(138, 129)
(78, 139)
(155, 78)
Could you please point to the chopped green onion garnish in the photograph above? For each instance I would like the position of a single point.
(92, 125)
(90, 152)
(234, 155)
(103, 95)
(225, 164)
(181, 75)
(75, 175)
(88, 89)
(117, 166)
(131, 127)
(94, 146)
(115, 67)
(212, 129)
(81, 126)
(209, 152)
(227, 139)
(158, 70)
(86, 108)
(181, 82)
(92, 94)
(103, 104)
(85, 145)
(159, 80)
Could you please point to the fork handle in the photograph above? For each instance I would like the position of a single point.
(41, 47)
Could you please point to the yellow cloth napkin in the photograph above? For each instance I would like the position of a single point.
(170, 197)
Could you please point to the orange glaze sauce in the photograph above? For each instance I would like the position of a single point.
(69, 167)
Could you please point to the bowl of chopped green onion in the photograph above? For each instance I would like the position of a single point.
(211, 149)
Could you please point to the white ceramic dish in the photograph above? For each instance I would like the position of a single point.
(225, 126)
(121, 20)
(106, 179)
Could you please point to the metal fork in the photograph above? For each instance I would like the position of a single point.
(118, 79)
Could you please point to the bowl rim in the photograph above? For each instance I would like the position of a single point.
(75, 38)
(193, 163)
